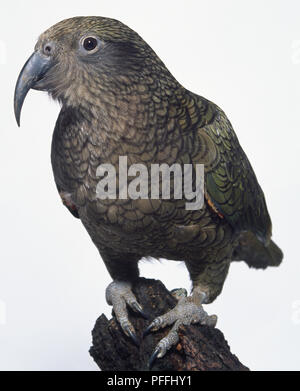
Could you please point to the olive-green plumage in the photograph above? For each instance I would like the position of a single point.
(119, 99)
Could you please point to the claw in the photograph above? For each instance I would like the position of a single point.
(132, 335)
(156, 324)
(153, 357)
(145, 314)
(147, 330)
(137, 307)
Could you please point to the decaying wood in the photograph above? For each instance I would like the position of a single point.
(200, 348)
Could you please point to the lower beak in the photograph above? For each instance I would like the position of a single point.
(34, 70)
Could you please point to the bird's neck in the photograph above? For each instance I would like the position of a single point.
(124, 109)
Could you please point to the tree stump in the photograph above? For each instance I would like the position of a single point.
(200, 348)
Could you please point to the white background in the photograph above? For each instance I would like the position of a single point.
(244, 56)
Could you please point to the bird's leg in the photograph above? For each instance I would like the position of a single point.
(119, 295)
(124, 271)
(189, 310)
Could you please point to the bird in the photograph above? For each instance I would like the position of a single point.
(119, 100)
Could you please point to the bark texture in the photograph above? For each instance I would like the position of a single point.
(200, 348)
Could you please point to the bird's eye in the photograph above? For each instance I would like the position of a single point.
(90, 43)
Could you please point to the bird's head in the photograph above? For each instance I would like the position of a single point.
(79, 59)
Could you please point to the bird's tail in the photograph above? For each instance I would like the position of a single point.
(255, 253)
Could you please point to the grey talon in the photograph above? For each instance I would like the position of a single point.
(133, 337)
(153, 357)
(147, 330)
(144, 314)
(136, 307)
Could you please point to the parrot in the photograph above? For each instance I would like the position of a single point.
(118, 99)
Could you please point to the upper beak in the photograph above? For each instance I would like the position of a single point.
(33, 71)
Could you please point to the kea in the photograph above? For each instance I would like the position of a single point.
(118, 99)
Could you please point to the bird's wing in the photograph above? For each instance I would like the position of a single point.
(231, 184)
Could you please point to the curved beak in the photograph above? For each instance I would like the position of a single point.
(34, 70)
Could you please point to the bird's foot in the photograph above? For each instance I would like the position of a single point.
(119, 295)
(187, 311)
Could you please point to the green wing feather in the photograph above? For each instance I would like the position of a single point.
(231, 182)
